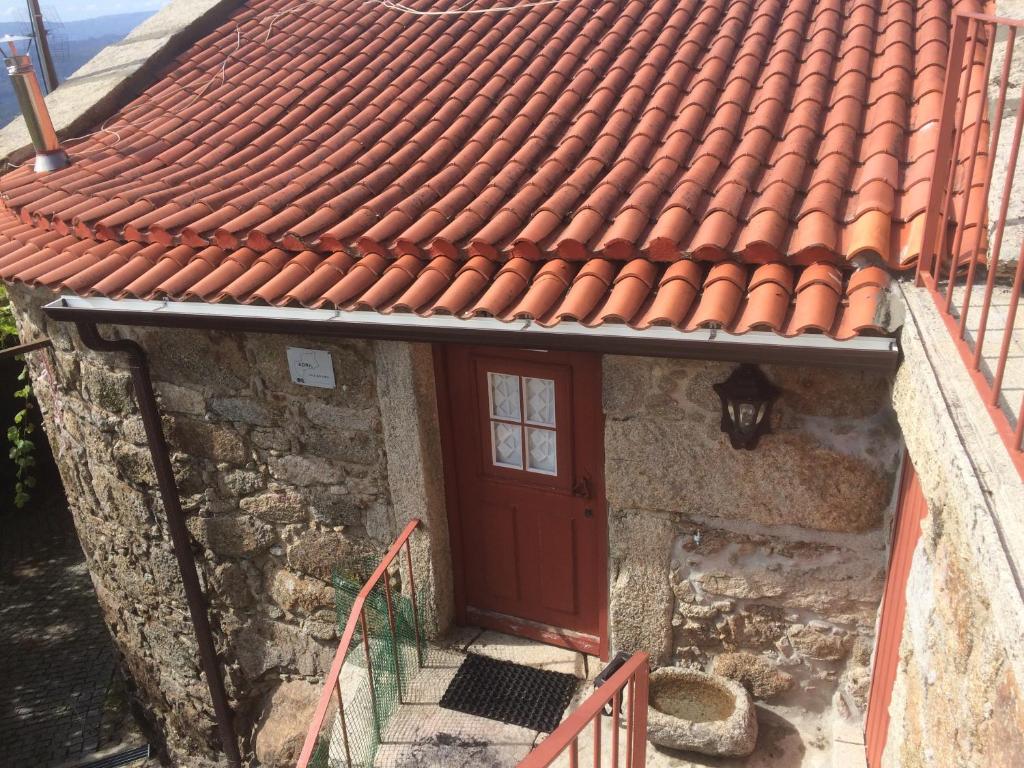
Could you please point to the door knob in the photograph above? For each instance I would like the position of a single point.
(582, 488)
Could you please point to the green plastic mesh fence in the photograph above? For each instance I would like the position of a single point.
(371, 695)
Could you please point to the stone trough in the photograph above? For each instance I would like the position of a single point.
(697, 712)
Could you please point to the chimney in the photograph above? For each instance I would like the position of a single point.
(49, 155)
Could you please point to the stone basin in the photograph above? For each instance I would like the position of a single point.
(697, 712)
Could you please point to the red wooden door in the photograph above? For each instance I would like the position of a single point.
(526, 441)
(911, 510)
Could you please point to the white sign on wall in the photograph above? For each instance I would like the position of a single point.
(311, 367)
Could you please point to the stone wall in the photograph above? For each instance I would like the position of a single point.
(957, 699)
(779, 552)
(280, 483)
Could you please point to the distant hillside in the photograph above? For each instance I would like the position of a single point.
(118, 25)
(73, 43)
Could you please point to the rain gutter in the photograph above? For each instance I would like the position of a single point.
(168, 487)
(879, 353)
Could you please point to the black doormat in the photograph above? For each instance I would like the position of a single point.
(127, 757)
(510, 693)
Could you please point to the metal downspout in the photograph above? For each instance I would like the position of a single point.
(143, 386)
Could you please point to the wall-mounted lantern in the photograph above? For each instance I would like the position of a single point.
(747, 398)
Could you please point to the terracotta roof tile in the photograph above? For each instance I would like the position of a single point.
(684, 294)
(355, 155)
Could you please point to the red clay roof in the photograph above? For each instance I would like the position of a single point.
(684, 294)
(349, 153)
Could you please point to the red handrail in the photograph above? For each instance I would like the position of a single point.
(633, 677)
(356, 617)
(958, 178)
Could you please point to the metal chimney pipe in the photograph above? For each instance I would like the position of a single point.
(49, 154)
(43, 47)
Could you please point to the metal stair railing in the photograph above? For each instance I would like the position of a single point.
(337, 748)
(631, 679)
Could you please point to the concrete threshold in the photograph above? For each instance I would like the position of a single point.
(420, 734)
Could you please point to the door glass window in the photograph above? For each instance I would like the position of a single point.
(540, 453)
(504, 396)
(522, 421)
(540, 401)
(507, 440)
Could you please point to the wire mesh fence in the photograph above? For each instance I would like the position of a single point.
(383, 660)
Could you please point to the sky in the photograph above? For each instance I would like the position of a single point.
(70, 10)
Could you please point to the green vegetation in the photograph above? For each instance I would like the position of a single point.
(8, 331)
(21, 448)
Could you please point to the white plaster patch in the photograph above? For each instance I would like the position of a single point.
(853, 437)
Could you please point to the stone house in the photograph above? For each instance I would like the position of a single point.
(320, 269)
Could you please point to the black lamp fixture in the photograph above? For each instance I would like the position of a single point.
(747, 398)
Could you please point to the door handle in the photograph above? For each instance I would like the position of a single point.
(582, 489)
(588, 512)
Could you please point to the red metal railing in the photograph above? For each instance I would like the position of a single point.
(357, 618)
(956, 261)
(911, 510)
(631, 678)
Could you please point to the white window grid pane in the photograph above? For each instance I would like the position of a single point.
(539, 401)
(507, 445)
(509, 397)
(503, 394)
(541, 451)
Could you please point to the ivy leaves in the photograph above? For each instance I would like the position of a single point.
(8, 330)
(19, 434)
(22, 447)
